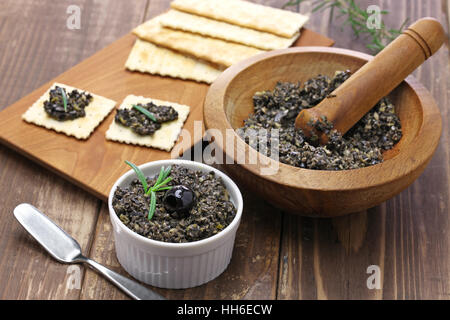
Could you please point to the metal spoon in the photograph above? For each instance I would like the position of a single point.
(65, 249)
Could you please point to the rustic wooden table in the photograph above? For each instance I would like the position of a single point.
(277, 255)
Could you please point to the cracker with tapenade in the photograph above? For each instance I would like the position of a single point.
(147, 57)
(163, 138)
(222, 30)
(220, 52)
(81, 127)
(246, 14)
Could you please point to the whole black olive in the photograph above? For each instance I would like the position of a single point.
(179, 199)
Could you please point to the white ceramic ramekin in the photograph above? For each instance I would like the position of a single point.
(174, 265)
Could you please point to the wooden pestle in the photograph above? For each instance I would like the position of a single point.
(377, 78)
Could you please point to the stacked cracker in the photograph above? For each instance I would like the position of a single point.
(198, 39)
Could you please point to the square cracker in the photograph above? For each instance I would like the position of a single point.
(147, 57)
(179, 20)
(80, 128)
(164, 138)
(246, 14)
(220, 52)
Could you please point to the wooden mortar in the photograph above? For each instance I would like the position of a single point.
(317, 193)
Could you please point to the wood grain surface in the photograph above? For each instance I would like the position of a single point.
(277, 255)
(94, 164)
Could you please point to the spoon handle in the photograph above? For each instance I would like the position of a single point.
(130, 287)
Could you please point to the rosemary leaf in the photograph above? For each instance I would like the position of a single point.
(164, 188)
(157, 186)
(151, 210)
(160, 176)
(140, 175)
(167, 171)
(145, 112)
(64, 98)
(163, 174)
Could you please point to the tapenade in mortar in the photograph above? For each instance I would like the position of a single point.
(361, 146)
(145, 123)
(62, 105)
(210, 213)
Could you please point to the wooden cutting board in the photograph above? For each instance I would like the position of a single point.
(95, 164)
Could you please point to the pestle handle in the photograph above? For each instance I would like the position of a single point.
(377, 78)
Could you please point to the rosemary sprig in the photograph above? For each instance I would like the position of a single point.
(357, 19)
(159, 185)
(145, 112)
(64, 97)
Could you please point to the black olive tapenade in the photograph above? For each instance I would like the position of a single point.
(140, 123)
(211, 212)
(361, 146)
(76, 102)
